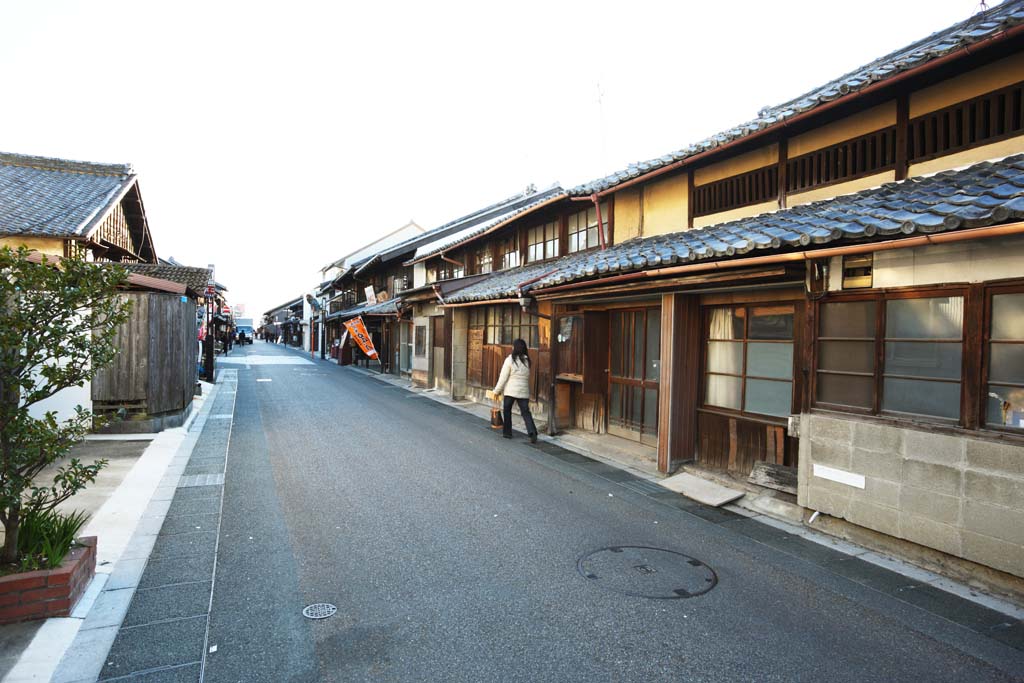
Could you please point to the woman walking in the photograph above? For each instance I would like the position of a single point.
(514, 383)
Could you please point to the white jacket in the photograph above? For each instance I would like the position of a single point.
(514, 380)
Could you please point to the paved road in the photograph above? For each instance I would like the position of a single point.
(452, 555)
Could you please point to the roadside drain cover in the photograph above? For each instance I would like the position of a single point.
(645, 572)
(319, 610)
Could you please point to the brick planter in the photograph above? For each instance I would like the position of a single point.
(48, 592)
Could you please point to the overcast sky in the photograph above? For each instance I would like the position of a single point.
(272, 138)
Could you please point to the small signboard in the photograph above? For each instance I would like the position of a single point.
(371, 296)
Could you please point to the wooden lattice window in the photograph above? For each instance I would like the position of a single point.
(583, 233)
(898, 353)
(745, 189)
(510, 252)
(484, 261)
(542, 242)
(980, 120)
(847, 160)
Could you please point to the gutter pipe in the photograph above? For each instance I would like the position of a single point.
(888, 245)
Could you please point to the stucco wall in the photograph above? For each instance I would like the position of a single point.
(960, 495)
(996, 150)
(861, 123)
(44, 245)
(628, 216)
(742, 163)
(979, 81)
(664, 206)
(735, 214)
(839, 189)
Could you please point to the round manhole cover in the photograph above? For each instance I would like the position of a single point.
(319, 610)
(646, 572)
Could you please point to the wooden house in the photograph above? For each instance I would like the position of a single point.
(150, 385)
(834, 289)
(59, 207)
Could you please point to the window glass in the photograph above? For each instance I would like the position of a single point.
(923, 359)
(846, 390)
(937, 364)
(768, 397)
(650, 410)
(932, 318)
(723, 391)
(1008, 316)
(769, 360)
(853, 319)
(653, 345)
(1005, 390)
(725, 357)
(1006, 363)
(921, 397)
(847, 356)
(771, 322)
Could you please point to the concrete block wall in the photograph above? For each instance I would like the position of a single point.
(961, 495)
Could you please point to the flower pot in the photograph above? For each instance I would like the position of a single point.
(49, 592)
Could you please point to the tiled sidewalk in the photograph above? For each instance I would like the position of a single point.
(150, 622)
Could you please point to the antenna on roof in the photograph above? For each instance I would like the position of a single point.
(982, 6)
(600, 112)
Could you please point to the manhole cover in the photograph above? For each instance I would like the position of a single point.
(319, 610)
(646, 572)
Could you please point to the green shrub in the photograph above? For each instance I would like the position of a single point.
(47, 536)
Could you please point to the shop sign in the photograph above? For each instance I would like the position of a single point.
(358, 331)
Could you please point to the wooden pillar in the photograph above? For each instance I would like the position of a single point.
(679, 381)
(902, 124)
(782, 170)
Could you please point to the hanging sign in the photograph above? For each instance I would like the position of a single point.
(359, 333)
(371, 297)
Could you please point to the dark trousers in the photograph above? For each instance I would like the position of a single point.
(524, 410)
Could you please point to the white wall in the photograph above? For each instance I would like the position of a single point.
(973, 261)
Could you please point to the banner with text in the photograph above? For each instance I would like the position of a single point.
(359, 333)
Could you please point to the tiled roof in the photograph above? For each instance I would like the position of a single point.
(389, 307)
(979, 27)
(193, 278)
(56, 197)
(466, 229)
(985, 194)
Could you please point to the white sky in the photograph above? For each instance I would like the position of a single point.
(272, 138)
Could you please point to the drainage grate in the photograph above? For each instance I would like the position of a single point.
(646, 572)
(319, 610)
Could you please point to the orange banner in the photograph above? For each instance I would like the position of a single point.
(358, 331)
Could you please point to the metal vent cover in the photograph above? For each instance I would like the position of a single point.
(319, 610)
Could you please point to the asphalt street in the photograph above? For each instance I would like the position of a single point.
(454, 555)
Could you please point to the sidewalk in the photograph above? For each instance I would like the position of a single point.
(121, 524)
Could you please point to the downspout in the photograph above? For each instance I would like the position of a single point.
(600, 223)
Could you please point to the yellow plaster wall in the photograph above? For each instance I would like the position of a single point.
(44, 245)
(628, 216)
(664, 206)
(996, 150)
(736, 165)
(861, 123)
(735, 214)
(979, 81)
(849, 187)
